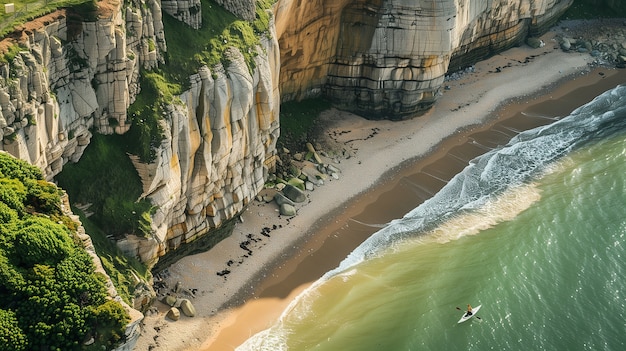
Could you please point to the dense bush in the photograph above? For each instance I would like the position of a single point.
(13, 194)
(11, 336)
(42, 196)
(38, 240)
(51, 298)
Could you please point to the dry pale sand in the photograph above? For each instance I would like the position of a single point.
(232, 307)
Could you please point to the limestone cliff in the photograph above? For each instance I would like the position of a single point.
(388, 58)
(244, 9)
(220, 144)
(380, 58)
(188, 12)
(73, 76)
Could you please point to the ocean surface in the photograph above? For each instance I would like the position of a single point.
(534, 231)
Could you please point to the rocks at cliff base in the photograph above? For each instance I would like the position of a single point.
(314, 153)
(287, 210)
(173, 314)
(535, 43)
(266, 195)
(285, 205)
(281, 199)
(295, 193)
(606, 42)
(187, 307)
(173, 298)
(300, 172)
(184, 304)
(298, 184)
(312, 174)
(566, 44)
(169, 300)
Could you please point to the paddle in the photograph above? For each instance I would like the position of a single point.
(462, 310)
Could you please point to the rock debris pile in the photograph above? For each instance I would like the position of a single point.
(604, 40)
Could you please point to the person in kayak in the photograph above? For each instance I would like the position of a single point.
(469, 310)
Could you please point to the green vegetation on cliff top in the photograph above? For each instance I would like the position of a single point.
(51, 298)
(27, 10)
(188, 50)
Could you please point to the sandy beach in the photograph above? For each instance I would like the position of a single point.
(270, 259)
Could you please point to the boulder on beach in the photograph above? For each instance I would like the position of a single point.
(313, 174)
(173, 314)
(281, 199)
(187, 307)
(267, 195)
(169, 300)
(287, 210)
(313, 153)
(294, 194)
(296, 182)
(535, 43)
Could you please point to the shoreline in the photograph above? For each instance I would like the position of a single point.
(266, 278)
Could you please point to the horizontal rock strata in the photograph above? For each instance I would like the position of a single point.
(388, 58)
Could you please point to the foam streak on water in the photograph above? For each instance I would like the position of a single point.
(547, 264)
(498, 170)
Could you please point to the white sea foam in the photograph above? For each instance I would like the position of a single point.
(499, 209)
(495, 173)
(493, 188)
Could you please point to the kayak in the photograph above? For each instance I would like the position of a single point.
(466, 317)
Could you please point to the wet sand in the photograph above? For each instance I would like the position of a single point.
(478, 112)
(336, 237)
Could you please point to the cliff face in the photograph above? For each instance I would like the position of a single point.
(379, 58)
(75, 76)
(72, 76)
(388, 58)
(188, 12)
(219, 147)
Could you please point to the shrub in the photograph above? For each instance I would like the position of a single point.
(7, 214)
(11, 280)
(51, 298)
(12, 194)
(41, 241)
(109, 319)
(12, 337)
(42, 196)
(10, 167)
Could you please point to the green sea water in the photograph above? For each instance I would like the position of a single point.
(536, 235)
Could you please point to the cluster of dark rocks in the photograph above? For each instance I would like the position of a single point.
(459, 74)
(298, 173)
(603, 39)
(178, 298)
(252, 241)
